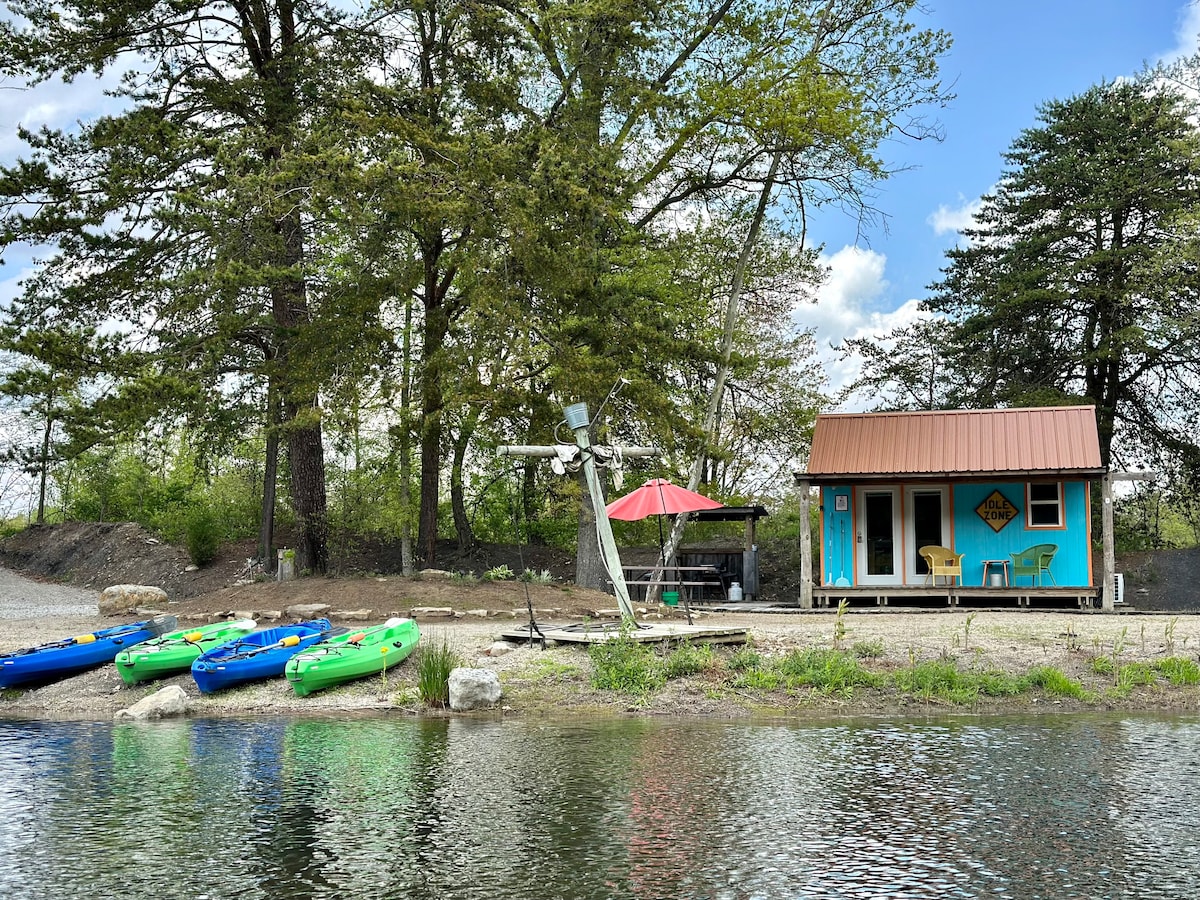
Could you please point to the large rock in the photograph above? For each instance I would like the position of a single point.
(308, 610)
(120, 599)
(473, 689)
(170, 701)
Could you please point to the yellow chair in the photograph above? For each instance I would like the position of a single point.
(1033, 562)
(942, 561)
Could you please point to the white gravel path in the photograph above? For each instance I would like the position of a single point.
(22, 598)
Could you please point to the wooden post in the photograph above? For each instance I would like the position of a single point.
(577, 421)
(1109, 587)
(1108, 590)
(806, 562)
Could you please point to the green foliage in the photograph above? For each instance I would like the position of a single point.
(202, 534)
(829, 671)
(868, 649)
(435, 661)
(623, 665)
(1178, 671)
(499, 573)
(944, 681)
(744, 659)
(1055, 683)
(688, 659)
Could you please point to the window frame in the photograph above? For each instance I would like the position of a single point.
(1059, 504)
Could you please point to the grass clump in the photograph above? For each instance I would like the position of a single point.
(868, 649)
(1055, 683)
(687, 659)
(435, 661)
(625, 666)
(744, 659)
(829, 671)
(1178, 671)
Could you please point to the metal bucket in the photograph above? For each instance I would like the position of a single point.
(995, 579)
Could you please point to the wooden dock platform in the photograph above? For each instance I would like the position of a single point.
(645, 633)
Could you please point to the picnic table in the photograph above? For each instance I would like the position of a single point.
(695, 579)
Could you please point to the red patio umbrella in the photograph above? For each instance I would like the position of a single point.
(658, 497)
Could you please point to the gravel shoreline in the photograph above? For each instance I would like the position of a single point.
(1013, 641)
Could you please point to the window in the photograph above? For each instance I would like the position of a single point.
(1044, 505)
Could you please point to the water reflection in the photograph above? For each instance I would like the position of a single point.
(1075, 807)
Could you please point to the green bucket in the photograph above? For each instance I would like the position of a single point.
(670, 598)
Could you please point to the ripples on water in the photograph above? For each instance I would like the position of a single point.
(1076, 807)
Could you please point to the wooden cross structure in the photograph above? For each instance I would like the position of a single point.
(576, 417)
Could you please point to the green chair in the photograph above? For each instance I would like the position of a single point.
(1033, 562)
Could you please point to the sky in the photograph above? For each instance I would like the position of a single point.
(1008, 57)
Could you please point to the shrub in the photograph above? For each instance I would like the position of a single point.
(202, 534)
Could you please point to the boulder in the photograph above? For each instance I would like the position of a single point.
(170, 701)
(499, 648)
(432, 612)
(473, 689)
(354, 615)
(307, 610)
(120, 599)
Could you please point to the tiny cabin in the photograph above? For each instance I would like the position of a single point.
(971, 507)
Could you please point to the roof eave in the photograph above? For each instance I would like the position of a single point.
(1007, 475)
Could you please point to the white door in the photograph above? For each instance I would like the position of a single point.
(877, 536)
(926, 521)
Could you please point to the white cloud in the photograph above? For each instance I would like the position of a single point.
(946, 219)
(847, 307)
(1187, 33)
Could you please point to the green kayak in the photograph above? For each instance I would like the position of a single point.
(345, 657)
(175, 652)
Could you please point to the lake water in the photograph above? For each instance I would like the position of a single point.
(392, 807)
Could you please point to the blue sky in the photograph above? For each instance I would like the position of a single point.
(1008, 57)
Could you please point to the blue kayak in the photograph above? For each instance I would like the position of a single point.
(258, 655)
(69, 656)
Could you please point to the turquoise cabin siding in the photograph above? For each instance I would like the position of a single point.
(972, 536)
(975, 538)
(837, 532)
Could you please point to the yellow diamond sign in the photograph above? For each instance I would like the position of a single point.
(996, 510)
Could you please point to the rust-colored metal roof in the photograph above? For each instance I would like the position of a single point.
(1052, 440)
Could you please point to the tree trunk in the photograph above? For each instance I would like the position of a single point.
(406, 499)
(266, 528)
(462, 524)
(431, 429)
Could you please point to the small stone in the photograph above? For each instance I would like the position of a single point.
(500, 648)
